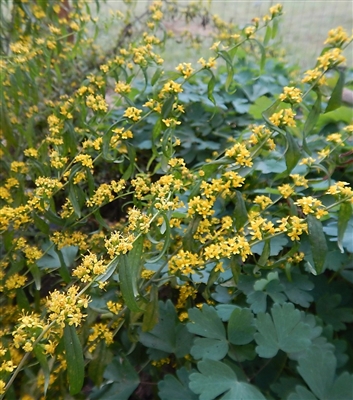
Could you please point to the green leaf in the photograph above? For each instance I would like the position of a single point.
(213, 349)
(301, 393)
(97, 366)
(284, 331)
(169, 335)
(109, 271)
(167, 106)
(341, 114)
(258, 290)
(318, 243)
(260, 105)
(293, 152)
(125, 381)
(156, 76)
(297, 289)
(216, 378)
(74, 359)
(317, 367)
(131, 168)
(171, 388)
(274, 27)
(150, 316)
(342, 388)
(311, 121)
(265, 253)
(240, 212)
(263, 54)
(328, 307)
(241, 327)
(40, 224)
(268, 35)
(210, 87)
(128, 284)
(206, 322)
(41, 357)
(344, 215)
(336, 96)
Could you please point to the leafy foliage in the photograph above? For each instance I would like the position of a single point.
(171, 234)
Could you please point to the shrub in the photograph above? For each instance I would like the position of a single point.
(187, 237)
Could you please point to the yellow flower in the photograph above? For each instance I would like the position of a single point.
(122, 88)
(185, 69)
(337, 37)
(286, 190)
(291, 95)
(133, 113)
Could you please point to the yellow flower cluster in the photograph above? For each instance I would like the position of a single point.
(211, 63)
(283, 118)
(96, 103)
(122, 88)
(185, 69)
(119, 244)
(27, 331)
(66, 307)
(263, 201)
(89, 268)
(100, 331)
(311, 205)
(241, 155)
(342, 189)
(104, 193)
(291, 95)
(185, 262)
(133, 113)
(337, 37)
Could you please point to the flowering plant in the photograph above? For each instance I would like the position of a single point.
(193, 229)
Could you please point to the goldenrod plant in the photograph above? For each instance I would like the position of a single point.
(171, 233)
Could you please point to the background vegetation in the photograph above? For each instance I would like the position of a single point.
(172, 232)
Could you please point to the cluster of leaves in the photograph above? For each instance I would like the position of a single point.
(187, 237)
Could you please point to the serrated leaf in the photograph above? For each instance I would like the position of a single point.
(301, 393)
(318, 243)
(206, 323)
(344, 215)
(216, 378)
(284, 331)
(168, 335)
(257, 293)
(328, 308)
(342, 388)
(171, 388)
(297, 289)
(336, 95)
(213, 349)
(74, 359)
(125, 380)
(317, 367)
(241, 326)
